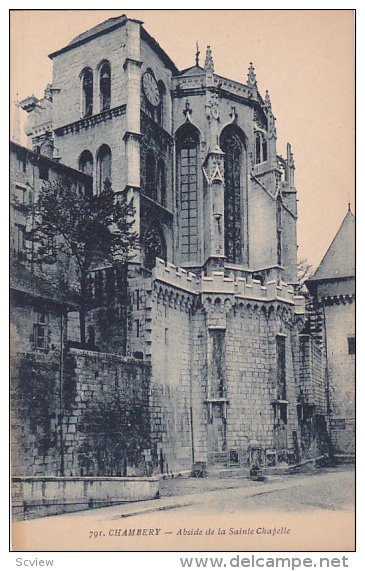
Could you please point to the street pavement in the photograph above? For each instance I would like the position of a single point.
(254, 515)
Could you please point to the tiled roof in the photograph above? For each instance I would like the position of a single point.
(339, 260)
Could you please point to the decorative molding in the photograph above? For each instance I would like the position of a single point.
(187, 111)
(136, 62)
(132, 135)
(87, 122)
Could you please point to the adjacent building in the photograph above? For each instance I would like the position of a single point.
(332, 288)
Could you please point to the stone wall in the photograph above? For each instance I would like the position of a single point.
(214, 369)
(339, 326)
(96, 422)
(109, 126)
(312, 374)
(44, 496)
(171, 352)
(35, 430)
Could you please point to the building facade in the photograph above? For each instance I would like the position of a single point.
(333, 291)
(212, 305)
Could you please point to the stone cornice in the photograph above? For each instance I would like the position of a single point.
(86, 122)
(136, 62)
(132, 135)
(156, 207)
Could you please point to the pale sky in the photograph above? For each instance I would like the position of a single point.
(304, 57)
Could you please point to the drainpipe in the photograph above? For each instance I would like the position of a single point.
(327, 374)
(62, 455)
(192, 435)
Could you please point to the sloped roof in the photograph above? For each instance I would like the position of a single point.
(339, 260)
(103, 26)
(194, 70)
(22, 280)
(112, 24)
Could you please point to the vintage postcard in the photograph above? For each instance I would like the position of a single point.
(182, 280)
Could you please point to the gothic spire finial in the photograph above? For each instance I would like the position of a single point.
(197, 54)
(251, 76)
(267, 99)
(209, 65)
(16, 123)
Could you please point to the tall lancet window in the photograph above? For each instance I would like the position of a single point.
(161, 109)
(279, 226)
(104, 87)
(161, 182)
(187, 141)
(87, 92)
(260, 147)
(233, 147)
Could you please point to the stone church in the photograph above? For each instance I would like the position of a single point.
(213, 311)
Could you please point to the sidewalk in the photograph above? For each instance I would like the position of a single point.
(192, 492)
(181, 492)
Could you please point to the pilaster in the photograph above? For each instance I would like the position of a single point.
(132, 67)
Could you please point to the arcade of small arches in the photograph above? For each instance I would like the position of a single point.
(176, 299)
(273, 310)
(217, 304)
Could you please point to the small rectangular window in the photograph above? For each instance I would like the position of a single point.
(20, 194)
(281, 367)
(138, 328)
(99, 286)
(40, 331)
(351, 343)
(43, 170)
(22, 159)
(19, 242)
(166, 336)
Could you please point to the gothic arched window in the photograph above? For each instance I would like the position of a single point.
(104, 167)
(161, 109)
(260, 148)
(232, 145)
(105, 86)
(87, 92)
(154, 245)
(86, 163)
(187, 143)
(151, 175)
(161, 182)
(264, 149)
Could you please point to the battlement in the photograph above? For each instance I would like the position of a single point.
(174, 276)
(217, 283)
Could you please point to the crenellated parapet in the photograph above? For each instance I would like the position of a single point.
(174, 276)
(218, 284)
